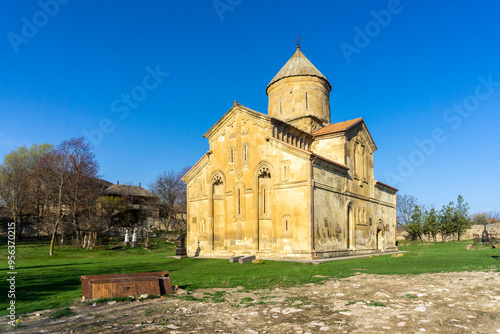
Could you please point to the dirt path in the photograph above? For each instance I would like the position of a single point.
(465, 302)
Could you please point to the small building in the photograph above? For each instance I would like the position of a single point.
(289, 183)
(141, 204)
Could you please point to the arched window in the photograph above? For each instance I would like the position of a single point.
(363, 161)
(286, 226)
(239, 201)
(354, 158)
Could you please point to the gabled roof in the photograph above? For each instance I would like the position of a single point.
(250, 112)
(337, 127)
(343, 127)
(126, 190)
(228, 115)
(298, 65)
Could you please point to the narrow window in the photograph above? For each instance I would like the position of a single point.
(245, 152)
(307, 102)
(286, 225)
(354, 161)
(239, 202)
(284, 172)
(264, 199)
(231, 156)
(280, 107)
(363, 159)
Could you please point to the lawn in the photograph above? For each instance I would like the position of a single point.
(44, 282)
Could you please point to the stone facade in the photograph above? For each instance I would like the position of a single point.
(289, 184)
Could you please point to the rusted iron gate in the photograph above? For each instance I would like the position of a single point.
(124, 285)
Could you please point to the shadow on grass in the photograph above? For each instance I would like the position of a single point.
(55, 265)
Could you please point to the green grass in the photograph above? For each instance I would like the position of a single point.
(44, 282)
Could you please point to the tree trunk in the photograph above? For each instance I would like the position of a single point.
(77, 230)
(54, 232)
(14, 217)
(17, 225)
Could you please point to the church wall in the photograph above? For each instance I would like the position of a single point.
(329, 220)
(292, 198)
(329, 207)
(282, 231)
(286, 232)
(387, 214)
(367, 215)
(331, 147)
(359, 159)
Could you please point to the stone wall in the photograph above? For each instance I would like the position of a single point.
(469, 234)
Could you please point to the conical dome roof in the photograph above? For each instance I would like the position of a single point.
(298, 65)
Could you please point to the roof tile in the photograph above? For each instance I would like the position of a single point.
(337, 127)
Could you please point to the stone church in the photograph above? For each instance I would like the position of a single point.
(289, 184)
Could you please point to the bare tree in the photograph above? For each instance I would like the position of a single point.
(14, 184)
(171, 192)
(56, 179)
(493, 216)
(38, 196)
(405, 204)
(479, 218)
(82, 168)
(111, 208)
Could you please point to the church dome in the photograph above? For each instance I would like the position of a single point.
(298, 65)
(300, 94)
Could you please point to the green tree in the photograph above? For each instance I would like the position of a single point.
(445, 220)
(461, 219)
(18, 176)
(414, 226)
(431, 225)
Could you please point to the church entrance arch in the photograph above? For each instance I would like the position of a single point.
(349, 222)
(380, 235)
(264, 202)
(217, 199)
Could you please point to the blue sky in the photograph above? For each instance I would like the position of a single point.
(145, 79)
